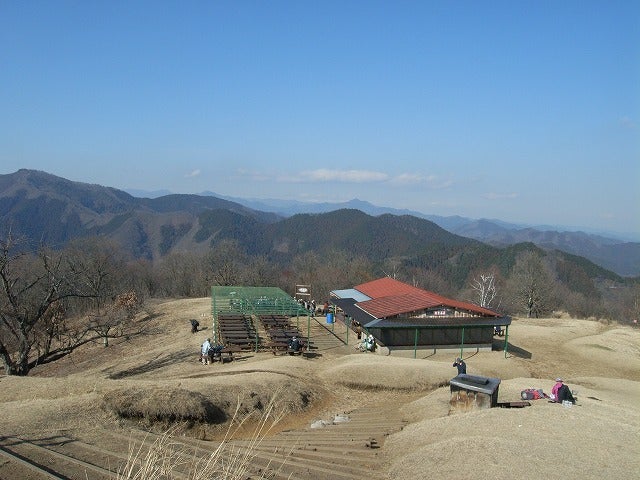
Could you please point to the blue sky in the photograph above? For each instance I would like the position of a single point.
(521, 111)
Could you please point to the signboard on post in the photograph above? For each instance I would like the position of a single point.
(303, 291)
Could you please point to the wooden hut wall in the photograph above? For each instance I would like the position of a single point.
(433, 336)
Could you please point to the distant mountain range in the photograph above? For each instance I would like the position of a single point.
(611, 252)
(287, 208)
(41, 207)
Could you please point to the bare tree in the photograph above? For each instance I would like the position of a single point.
(391, 267)
(531, 284)
(306, 271)
(37, 293)
(430, 280)
(111, 321)
(180, 273)
(485, 288)
(260, 272)
(225, 263)
(33, 289)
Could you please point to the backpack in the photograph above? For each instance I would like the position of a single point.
(530, 394)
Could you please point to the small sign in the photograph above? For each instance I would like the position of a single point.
(303, 290)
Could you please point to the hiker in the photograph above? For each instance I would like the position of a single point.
(215, 353)
(204, 351)
(370, 343)
(294, 345)
(565, 394)
(358, 329)
(325, 308)
(462, 367)
(555, 388)
(194, 325)
(561, 392)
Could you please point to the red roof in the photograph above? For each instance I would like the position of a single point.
(391, 297)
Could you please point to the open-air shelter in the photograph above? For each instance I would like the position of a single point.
(402, 316)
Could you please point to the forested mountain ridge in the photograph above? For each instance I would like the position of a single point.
(358, 233)
(618, 256)
(44, 208)
(609, 251)
(189, 242)
(47, 209)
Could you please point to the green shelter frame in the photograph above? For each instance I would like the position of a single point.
(253, 301)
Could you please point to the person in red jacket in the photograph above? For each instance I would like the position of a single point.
(555, 388)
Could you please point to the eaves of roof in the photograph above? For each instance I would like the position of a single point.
(440, 322)
(350, 308)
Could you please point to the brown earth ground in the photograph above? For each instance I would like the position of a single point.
(598, 437)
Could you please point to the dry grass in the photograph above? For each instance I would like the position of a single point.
(156, 380)
(169, 459)
(166, 405)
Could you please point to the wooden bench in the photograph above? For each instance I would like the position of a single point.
(226, 354)
(238, 333)
(283, 347)
(245, 343)
(277, 347)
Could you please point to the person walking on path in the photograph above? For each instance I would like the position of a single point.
(462, 367)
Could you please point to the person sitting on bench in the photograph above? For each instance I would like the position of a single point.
(294, 346)
(215, 353)
(370, 343)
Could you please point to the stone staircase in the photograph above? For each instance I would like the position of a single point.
(350, 447)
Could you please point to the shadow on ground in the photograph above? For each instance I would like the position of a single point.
(154, 364)
(512, 350)
(515, 351)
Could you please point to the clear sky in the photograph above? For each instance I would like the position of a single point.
(521, 111)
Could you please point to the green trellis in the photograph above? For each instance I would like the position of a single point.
(253, 301)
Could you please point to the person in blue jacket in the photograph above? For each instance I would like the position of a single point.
(462, 367)
(204, 351)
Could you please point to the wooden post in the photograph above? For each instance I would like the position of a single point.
(506, 340)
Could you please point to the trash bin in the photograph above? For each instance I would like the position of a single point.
(329, 317)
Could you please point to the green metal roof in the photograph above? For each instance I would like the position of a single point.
(254, 301)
